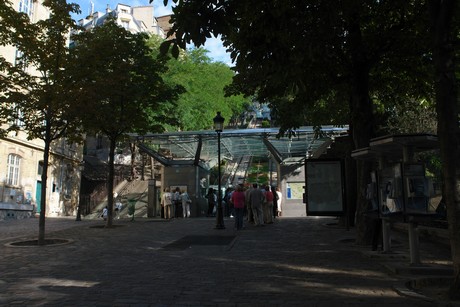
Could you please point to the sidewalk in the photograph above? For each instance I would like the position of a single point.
(186, 262)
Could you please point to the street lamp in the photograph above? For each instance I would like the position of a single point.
(219, 126)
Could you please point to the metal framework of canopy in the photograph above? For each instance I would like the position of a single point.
(200, 147)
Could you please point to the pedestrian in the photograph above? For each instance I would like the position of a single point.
(228, 202)
(238, 199)
(212, 200)
(256, 198)
(268, 206)
(186, 202)
(176, 204)
(118, 207)
(248, 207)
(275, 202)
(105, 211)
(166, 203)
(279, 202)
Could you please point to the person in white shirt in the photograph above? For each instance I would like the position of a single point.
(118, 207)
(186, 202)
(166, 202)
(280, 198)
(105, 211)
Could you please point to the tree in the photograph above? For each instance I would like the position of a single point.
(121, 88)
(356, 51)
(34, 94)
(412, 116)
(305, 57)
(445, 36)
(204, 82)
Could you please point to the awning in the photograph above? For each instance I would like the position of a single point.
(200, 147)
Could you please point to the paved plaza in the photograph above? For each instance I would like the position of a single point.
(186, 262)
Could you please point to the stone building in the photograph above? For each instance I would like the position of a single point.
(139, 19)
(21, 160)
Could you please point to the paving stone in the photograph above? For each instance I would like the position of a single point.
(293, 262)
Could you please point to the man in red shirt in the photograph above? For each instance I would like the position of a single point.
(238, 198)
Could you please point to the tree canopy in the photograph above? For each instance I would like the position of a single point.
(370, 55)
(120, 86)
(204, 82)
(318, 62)
(34, 90)
(305, 55)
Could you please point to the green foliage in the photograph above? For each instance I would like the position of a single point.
(310, 59)
(411, 116)
(120, 83)
(265, 124)
(258, 172)
(120, 87)
(204, 82)
(318, 62)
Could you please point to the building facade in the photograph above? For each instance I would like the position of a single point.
(21, 160)
(138, 19)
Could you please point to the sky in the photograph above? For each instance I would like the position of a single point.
(213, 45)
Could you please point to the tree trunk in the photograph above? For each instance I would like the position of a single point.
(110, 183)
(132, 148)
(448, 130)
(46, 154)
(361, 123)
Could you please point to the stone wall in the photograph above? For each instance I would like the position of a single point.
(14, 211)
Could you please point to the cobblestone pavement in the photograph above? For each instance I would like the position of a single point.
(293, 262)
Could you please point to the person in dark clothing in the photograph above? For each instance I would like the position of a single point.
(275, 202)
(212, 200)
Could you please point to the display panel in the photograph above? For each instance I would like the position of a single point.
(391, 196)
(324, 187)
(417, 188)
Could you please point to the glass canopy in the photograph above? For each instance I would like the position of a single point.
(200, 147)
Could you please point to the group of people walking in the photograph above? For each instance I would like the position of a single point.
(175, 204)
(263, 204)
(260, 205)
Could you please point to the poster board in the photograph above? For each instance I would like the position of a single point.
(324, 190)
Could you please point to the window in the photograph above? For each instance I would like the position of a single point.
(40, 168)
(25, 6)
(99, 140)
(125, 24)
(17, 122)
(12, 174)
(20, 60)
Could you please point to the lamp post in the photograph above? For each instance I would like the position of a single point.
(219, 126)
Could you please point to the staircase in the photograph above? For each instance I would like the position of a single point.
(126, 190)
